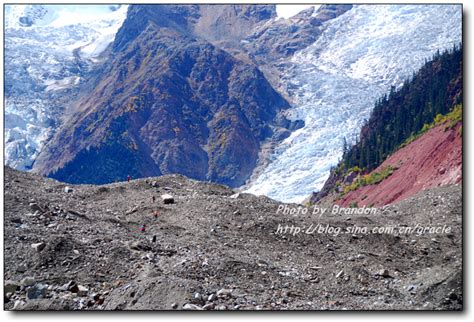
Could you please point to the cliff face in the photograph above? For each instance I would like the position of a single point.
(432, 160)
(169, 101)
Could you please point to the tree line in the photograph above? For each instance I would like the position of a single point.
(435, 89)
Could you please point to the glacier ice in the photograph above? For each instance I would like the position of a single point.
(46, 48)
(335, 82)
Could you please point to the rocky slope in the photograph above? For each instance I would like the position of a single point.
(80, 247)
(169, 101)
(432, 160)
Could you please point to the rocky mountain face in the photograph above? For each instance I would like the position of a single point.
(170, 101)
(82, 247)
(281, 38)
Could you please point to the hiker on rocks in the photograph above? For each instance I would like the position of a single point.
(153, 198)
(143, 228)
(156, 213)
(129, 178)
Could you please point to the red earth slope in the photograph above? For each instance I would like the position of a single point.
(432, 160)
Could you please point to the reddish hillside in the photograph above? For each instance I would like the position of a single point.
(434, 159)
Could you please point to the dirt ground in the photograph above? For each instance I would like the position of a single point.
(215, 249)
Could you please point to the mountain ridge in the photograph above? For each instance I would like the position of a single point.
(212, 132)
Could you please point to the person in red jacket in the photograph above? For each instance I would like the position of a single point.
(129, 178)
(143, 228)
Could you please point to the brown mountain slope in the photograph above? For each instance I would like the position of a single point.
(432, 160)
(167, 101)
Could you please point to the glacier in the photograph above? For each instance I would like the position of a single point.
(47, 50)
(335, 82)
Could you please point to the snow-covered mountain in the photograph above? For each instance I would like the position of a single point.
(335, 82)
(47, 50)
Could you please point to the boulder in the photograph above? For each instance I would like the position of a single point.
(37, 291)
(224, 292)
(98, 298)
(198, 297)
(68, 189)
(384, 273)
(139, 245)
(212, 297)
(38, 246)
(167, 199)
(10, 287)
(16, 220)
(192, 307)
(18, 304)
(22, 268)
(71, 286)
(35, 207)
(208, 306)
(82, 290)
(28, 281)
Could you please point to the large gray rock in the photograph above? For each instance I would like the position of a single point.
(139, 245)
(38, 246)
(192, 307)
(167, 199)
(82, 290)
(10, 287)
(28, 281)
(35, 207)
(37, 291)
(384, 273)
(224, 292)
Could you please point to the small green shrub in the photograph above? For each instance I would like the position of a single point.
(369, 179)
